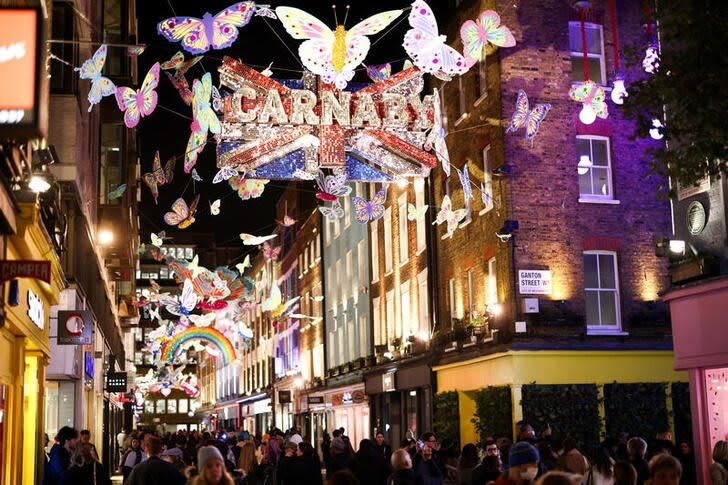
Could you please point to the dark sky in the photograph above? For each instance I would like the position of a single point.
(256, 45)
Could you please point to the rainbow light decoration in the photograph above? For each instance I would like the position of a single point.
(208, 334)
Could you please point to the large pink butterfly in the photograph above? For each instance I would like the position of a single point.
(219, 31)
(139, 103)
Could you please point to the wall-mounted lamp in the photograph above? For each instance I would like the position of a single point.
(39, 183)
(504, 170)
(105, 237)
(506, 232)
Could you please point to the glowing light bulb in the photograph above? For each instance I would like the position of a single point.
(655, 132)
(587, 115)
(619, 92)
(105, 237)
(651, 60)
(582, 168)
(38, 184)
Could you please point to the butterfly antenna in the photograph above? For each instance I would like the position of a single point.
(336, 20)
(346, 16)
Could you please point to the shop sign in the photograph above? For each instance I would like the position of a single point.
(315, 400)
(344, 398)
(88, 364)
(703, 185)
(75, 327)
(534, 282)
(388, 382)
(36, 312)
(284, 397)
(11, 269)
(20, 44)
(116, 381)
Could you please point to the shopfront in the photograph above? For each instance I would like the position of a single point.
(401, 401)
(226, 416)
(348, 408)
(255, 413)
(32, 285)
(698, 314)
(312, 417)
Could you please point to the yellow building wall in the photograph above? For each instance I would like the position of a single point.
(517, 368)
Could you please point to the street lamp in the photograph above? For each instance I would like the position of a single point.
(38, 184)
(105, 237)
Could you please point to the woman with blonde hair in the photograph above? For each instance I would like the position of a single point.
(211, 468)
(719, 469)
(248, 463)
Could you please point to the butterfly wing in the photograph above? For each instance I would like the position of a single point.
(195, 145)
(117, 192)
(188, 298)
(580, 92)
(126, 98)
(190, 219)
(180, 83)
(179, 212)
(302, 25)
(496, 34)
(374, 24)
(101, 86)
(534, 119)
(454, 219)
(202, 111)
(224, 174)
(472, 41)
(175, 61)
(465, 182)
(169, 170)
(226, 23)
(190, 31)
(361, 209)
(445, 210)
(336, 185)
(195, 176)
(316, 55)
(149, 95)
(379, 72)
(215, 207)
(423, 20)
(91, 68)
(520, 115)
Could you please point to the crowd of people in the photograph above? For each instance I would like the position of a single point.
(233, 457)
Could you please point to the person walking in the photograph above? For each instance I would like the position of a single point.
(382, 447)
(719, 468)
(572, 460)
(133, 456)
(468, 461)
(154, 470)
(368, 465)
(84, 437)
(211, 467)
(636, 449)
(289, 466)
(248, 464)
(403, 473)
(85, 468)
(60, 456)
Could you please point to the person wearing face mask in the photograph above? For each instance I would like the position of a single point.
(523, 461)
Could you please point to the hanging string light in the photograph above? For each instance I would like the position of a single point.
(618, 90)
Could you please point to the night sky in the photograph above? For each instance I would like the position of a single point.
(256, 45)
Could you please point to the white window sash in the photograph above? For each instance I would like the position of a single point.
(618, 317)
(610, 184)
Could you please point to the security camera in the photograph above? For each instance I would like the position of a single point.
(503, 237)
(506, 232)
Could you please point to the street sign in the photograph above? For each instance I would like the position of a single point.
(116, 381)
(534, 282)
(75, 327)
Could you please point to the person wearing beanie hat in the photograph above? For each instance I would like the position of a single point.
(211, 466)
(523, 461)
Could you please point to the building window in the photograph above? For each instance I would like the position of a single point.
(594, 167)
(339, 288)
(487, 180)
(403, 236)
(423, 299)
(492, 296)
(419, 203)
(350, 276)
(110, 172)
(63, 79)
(471, 293)
(172, 406)
(595, 52)
(331, 297)
(375, 251)
(481, 79)
(389, 317)
(337, 227)
(379, 334)
(388, 240)
(161, 406)
(461, 100)
(347, 211)
(406, 320)
(601, 290)
(451, 299)
(361, 269)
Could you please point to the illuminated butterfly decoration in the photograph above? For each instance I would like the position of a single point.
(178, 63)
(215, 207)
(331, 187)
(225, 173)
(135, 50)
(137, 104)
(158, 239)
(159, 176)
(333, 55)
(91, 69)
(195, 144)
(380, 72)
(435, 140)
(217, 101)
(202, 111)
(241, 267)
(196, 176)
(287, 221)
(181, 215)
(275, 304)
(414, 213)
(591, 94)
(185, 303)
(180, 83)
(265, 11)
(194, 267)
(446, 214)
(426, 47)
(154, 314)
(248, 188)
(485, 195)
(213, 305)
(250, 240)
(268, 72)
(486, 29)
(464, 176)
(531, 119)
(333, 212)
(216, 32)
(117, 192)
(155, 253)
(203, 320)
(271, 253)
(370, 210)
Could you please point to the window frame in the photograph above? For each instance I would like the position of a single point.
(403, 229)
(487, 179)
(374, 242)
(491, 296)
(462, 105)
(580, 54)
(451, 300)
(610, 197)
(388, 256)
(481, 76)
(605, 329)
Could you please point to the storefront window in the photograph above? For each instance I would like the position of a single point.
(149, 407)
(60, 404)
(183, 408)
(172, 406)
(161, 406)
(716, 385)
(112, 141)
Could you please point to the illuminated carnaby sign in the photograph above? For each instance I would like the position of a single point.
(288, 129)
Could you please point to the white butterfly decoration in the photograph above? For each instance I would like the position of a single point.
(268, 72)
(196, 176)
(158, 239)
(186, 302)
(241, 267)
(485, 195)
(250, 240)
(154, 313)
(317, 298)
(264, 11)
(333, 55)
(427, 48)
(436, 137)
(450, 216)
(215, 207)
(464, 176)
(203, 320)
(414, 213)
(333, 212)
(225, 173)
(195, 267)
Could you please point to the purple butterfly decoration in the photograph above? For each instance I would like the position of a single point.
(218, 31)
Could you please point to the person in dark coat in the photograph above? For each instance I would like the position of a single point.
(368, 465)
(85, 469)
(289, 466)
(636, 449)
(133, 456)
(310, 464)
(687, 460)
(326, 452)
(155, 471)
(382, 447)
(427, 472)
(403, 473)
(60, 456)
